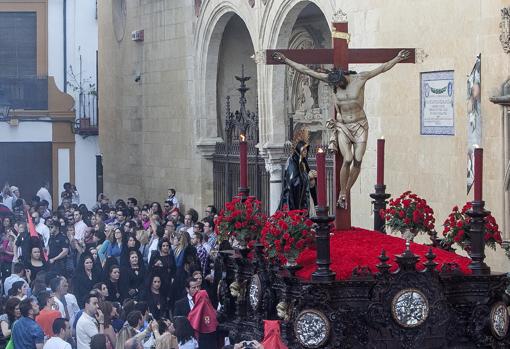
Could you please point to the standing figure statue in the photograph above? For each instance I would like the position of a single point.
(350, 126)
(296, 180)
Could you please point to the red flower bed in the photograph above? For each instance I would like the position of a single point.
(360, 247)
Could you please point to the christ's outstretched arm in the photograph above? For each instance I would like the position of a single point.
(300, 67)
(402, 55)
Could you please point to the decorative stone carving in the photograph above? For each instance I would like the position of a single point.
(504, 27)
(307, 98)
(274, 168)
(339, 16)
(421, 55)
(206, 146)
(259, 57)
(198, 5)
(251, 3)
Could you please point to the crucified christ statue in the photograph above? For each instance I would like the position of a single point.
(350, 128)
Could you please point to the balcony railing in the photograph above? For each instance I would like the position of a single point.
(87, 122)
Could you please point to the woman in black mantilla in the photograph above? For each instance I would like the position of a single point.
(296, 184)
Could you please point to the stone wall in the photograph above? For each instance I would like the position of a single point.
(146, 89)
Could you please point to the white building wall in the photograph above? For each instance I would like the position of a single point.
(26, 132)
(82, 42)
(85, 165)
(56, 42)
(82, 38)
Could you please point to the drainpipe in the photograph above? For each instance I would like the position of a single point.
(65, 43)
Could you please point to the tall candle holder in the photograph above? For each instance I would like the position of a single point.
(379, 203)
(380, 196)
(477, 213)
(323, 223)
(244, 191)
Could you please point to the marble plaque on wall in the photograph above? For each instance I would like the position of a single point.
(437, 104)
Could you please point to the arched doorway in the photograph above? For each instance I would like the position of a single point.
(294, 101)
(234, 59)
(303, 26)
(235, 112)
(307, 100)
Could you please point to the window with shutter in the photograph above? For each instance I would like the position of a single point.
(20, 87)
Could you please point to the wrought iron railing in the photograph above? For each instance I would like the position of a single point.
(226, 174)
(87, 122)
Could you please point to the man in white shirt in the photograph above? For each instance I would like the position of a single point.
(18, 274)
(44, 194)
(80, 228)
(41, 228)
(157, 233)
(59, 287)
(88, 324)
(7, 199)
(15, 193)
(62, 332)
(184, 305)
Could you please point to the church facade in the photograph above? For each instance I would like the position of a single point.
(167, 67)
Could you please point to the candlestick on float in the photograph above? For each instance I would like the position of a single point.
(478, 180)
(380, 161)
(477, 214)
(380, 196)
(321, 178)
(243, 167)
(323, 222)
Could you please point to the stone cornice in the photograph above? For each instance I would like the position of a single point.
(207, 146)
(501, 100)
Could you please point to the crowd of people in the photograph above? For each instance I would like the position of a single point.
(115, 275)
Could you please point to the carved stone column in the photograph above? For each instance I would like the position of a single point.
(274, 155)
(503, 100)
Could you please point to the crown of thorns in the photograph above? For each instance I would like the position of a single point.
(335, 75)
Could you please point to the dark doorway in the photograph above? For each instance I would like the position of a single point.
(26, 165)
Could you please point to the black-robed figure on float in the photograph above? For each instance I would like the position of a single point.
(296, 189)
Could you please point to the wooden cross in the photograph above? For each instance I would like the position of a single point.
(341, 56)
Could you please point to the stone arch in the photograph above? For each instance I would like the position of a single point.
(235, 54)
(275, 33)
(212, 21)
(278, 20)
(307, 100)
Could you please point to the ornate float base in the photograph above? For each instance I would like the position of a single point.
(406, 308)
